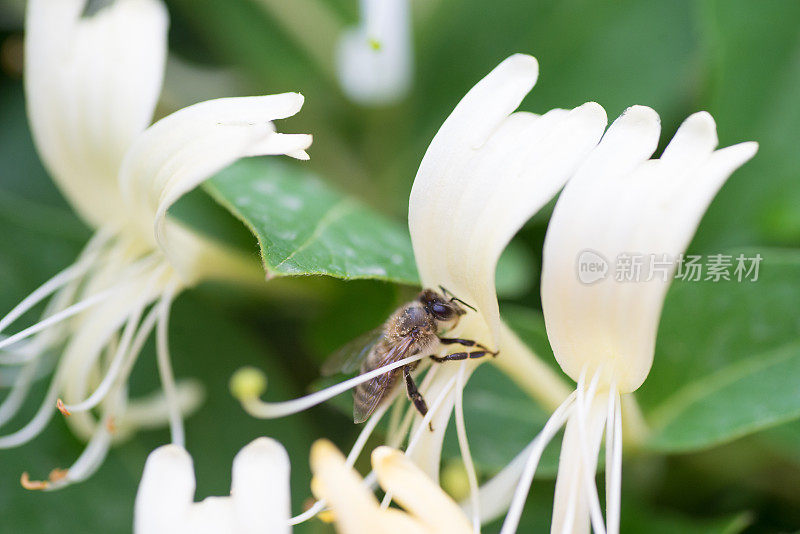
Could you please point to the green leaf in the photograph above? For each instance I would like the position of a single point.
(637, 519)
(754, 78)
(727, 360)
(306, 228)
(516, 271)
(738, 400)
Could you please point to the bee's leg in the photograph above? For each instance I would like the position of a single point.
(462, 356)
(466, 343)
(414, 394)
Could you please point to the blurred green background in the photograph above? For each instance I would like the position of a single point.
(738, 59)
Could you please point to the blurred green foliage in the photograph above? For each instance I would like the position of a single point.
(738, 59)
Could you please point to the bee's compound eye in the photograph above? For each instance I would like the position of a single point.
(440, 310)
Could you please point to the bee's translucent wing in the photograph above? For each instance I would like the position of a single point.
(368, 396)
(349, 357)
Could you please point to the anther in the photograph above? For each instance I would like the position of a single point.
(33, 485)
(62, 408)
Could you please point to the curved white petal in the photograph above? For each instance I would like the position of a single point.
(621, 202)
(356, 510)
(259, 500)
(260, 487)
(184, 149)
(486, 172)
(417, 493)
(91, 86)
(375, 59)
(166, 491)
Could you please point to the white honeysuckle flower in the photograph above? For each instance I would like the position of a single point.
(375, 58)
(259, 501)
(486, 172)
(91, 83)
(603, 331)
(426, 508)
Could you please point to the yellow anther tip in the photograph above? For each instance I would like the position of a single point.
(455, 481)
(248, 383)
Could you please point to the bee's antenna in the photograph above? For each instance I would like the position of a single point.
(446, 292)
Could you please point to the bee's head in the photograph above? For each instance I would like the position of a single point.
(440, 307)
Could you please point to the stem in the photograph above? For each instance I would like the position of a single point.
(463, 445)
(553, 425)
(165, 369)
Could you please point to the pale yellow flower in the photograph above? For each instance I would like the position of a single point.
(426, 508)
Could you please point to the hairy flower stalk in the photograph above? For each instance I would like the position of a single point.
(486, 172)
(619, 204)
(92, 83)
(375, 58)
(259, 499)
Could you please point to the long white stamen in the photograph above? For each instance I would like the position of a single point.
(116, 364)
(122, 350)
(58, 317)
(586, 469)
(61, 279)
(609, 449)
(496, 494)
(142, 334)
(395, 439)
(466, 455)
(90, 459)
(23, 353)
(395, 417)
(614, 472)
(133, 415)
(312, 512)
(358, 447)
(569, 520)
(165, 368)
(77, 269)
(39, 421)
(537, 446)
(423, 426)
(366, 432)
(271, 410)
(78, 307)
(13, 401)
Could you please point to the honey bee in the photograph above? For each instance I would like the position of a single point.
(414, 328)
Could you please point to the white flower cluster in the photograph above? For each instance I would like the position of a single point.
(92, 84)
